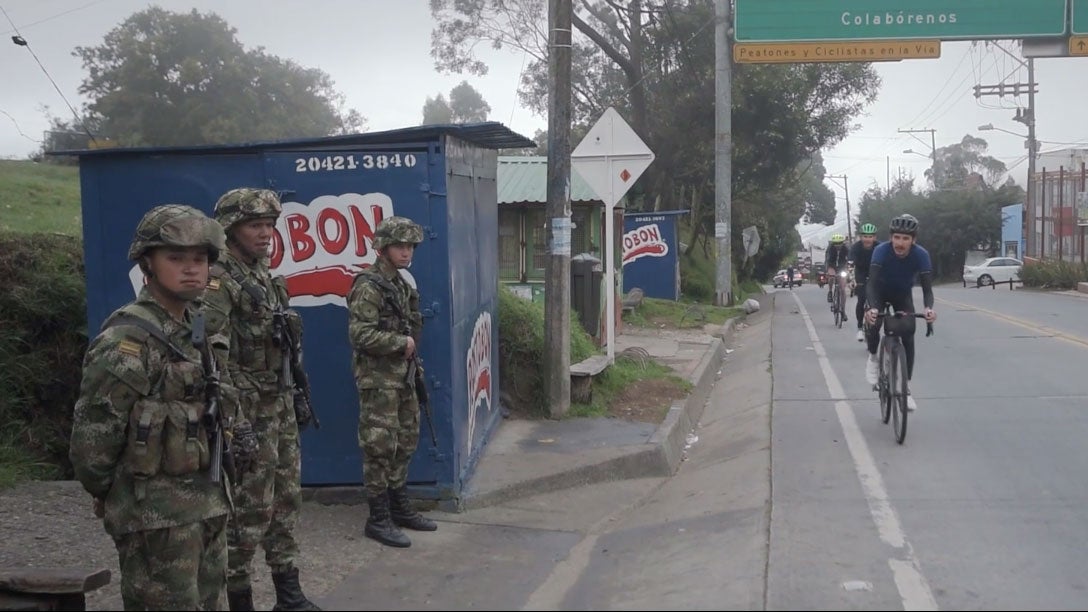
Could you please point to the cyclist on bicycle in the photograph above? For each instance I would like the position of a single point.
(861, 253)
(836, 257)
(891, 281)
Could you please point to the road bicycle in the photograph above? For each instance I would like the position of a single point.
(838, 301)
(892, 385)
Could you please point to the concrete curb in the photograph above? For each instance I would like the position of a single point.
(661, 455)
(671, 435)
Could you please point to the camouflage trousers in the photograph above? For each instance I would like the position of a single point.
(268, 498)
(388, 435)
(174, 568)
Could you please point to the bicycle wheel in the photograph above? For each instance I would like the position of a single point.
(899, 392)
(836, 304)
(883, 388)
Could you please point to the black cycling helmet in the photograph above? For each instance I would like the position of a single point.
(904, 224)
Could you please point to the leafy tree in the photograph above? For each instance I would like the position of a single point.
(952, 222)
(956, 165)
(654, 62)
(467, 104)
(437, 110)
(166, 79)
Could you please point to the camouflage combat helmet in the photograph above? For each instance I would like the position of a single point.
(246, 203)
(394, 230)
(180, 226)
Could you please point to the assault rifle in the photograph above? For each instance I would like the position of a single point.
(222, 460)
(414, 375)
(295, 377)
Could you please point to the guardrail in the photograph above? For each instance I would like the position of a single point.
(994, 284)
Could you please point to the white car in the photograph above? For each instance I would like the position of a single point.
(780, 279)
(993, 270)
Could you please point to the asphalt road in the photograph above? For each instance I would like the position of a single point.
(983, 507)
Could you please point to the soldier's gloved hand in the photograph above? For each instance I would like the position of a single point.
(304, 414)
(245, 447)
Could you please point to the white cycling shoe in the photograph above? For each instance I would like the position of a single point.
(872, 369)
(911, 404)
(861, 336)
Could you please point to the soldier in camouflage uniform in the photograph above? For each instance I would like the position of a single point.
(384, 326)
(139, 444)
(251, 308)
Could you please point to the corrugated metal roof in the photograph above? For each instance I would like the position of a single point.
(524, 179)
(489, 134)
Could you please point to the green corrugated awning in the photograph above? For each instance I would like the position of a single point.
(524, 179)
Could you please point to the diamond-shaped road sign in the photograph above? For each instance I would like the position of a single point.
(611, 157)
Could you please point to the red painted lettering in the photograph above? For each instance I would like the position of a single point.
(333, 245)
(302, 245)
(277, 250)
(363, 229)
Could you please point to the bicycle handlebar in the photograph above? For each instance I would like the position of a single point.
(901, 313)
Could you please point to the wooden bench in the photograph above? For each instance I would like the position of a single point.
(581, 377)
(633, 299)
(48, 588)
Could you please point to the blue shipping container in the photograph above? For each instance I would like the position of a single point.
(651, 259)
(335, 191)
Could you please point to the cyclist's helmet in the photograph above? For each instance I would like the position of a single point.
(837, 239)
(904, 224)
(868, 229)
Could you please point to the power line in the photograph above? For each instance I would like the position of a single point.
(52, 17)
(22, 42)
(17, 128)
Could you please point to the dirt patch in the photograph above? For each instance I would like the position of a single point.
(646, 401)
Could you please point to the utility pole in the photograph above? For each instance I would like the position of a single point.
(1027, 117)
(723, 149)
(557, 269)
(932, 149)
(846, 189)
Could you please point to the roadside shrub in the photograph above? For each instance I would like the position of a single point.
(521, 353)
(1054, 274)
(43, 335)
(697, 281)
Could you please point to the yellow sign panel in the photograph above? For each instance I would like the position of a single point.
(840, 51)
(1078, 45)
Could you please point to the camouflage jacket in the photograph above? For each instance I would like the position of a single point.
(240, 302)
(376, 331)
(137, 441)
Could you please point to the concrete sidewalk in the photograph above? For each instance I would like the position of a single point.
(528, 457)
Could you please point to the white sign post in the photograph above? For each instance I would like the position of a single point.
(610, 159)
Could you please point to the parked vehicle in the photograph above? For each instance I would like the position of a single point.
(993, 270)
(780, 280)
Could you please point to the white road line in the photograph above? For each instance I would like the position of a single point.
(913, 588)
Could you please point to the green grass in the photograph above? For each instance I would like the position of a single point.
(38, 197)
(17, 465)
(655, 312)
(610, 383)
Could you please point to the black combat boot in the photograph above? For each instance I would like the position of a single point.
(404, 515)
(289, 595)
(240, 600)
(380, 525)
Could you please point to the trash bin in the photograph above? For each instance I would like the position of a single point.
(586, 273)
(335, 191)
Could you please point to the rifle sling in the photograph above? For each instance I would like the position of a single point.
(149, 327)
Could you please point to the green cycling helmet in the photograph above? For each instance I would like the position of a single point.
(868, 229)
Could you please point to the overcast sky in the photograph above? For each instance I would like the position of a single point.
(378, 54)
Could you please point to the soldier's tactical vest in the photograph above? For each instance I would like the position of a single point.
(165, 434)
(259, 352)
